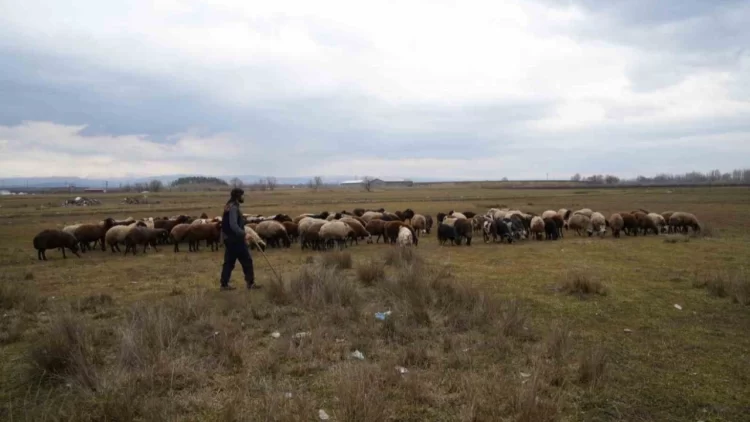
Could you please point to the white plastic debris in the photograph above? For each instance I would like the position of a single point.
(288, 395)
(340, 340)
(323, 415)
(275, 334)
(357, 355)
(678, 307)
(525, 374)
(402, 370)
(628, 330)
(382, 315)
(303, 334)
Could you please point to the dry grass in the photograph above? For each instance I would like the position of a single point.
(339, 259)
(478, 329)
(676, 238)
(735, 285)
(582, 283)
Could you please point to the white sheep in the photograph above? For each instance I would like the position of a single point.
(536, 227)
(598, 224)
(253, 240)
(659, 221)
(580, 222)
(405, 237)
(369, 215)
(549, 214)
(616, 224)
(585, 211)
(116, 235)
(335, 231)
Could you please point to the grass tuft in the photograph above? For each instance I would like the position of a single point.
(396, 256)
(370, 272)
(582, 284)
(592, 365)
(676, 238)
(726, 284)
(317, 286)
(338, 259)
(21, 296)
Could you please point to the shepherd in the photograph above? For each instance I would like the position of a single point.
(235, 248)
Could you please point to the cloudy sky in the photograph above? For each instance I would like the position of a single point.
(448, 89)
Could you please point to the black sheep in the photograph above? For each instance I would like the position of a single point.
(463, 229)
(445, 233)
(550, 229)
(53, 239)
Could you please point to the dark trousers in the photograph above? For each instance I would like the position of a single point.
(237, 251)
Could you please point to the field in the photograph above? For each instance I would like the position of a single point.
(577, 329)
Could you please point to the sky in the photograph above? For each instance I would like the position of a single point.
(437, 89)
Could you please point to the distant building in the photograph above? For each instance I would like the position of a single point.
(378, 182)
(95, 190)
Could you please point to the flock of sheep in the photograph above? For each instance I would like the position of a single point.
(328, 230)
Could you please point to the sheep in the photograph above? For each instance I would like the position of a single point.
(335, 231)
(502, 229)
(518, 226)
(666, 215)
(565, 214)
(389, 216)
(456, 215)
(428, 220)
(560, 223)
(143, 236)
(310, 237)
(359, 230)
(358, 212)
(580, 222)
(645, 224)
(659, 222)
(584, 211)
(440, 217)
(292, 230)
(630, 224)
(469, 214)
(551, 231)
(272, 232)
(445, 233)
(126, 222)
(405, 237)
(451, 221)
(477, 222)
(682, 221)
(419, 223)
(116, 235)
(168, 225)
(86, 233)
(391, 228)
(536, 228)
(53, 239)
(464, 229)
(253, 240)
(210, 232)
(598, 224)
(549, 214)
(371, 215)
(408, 215)
(616, 223)
(304, 224)
(376, 228)
(177, 234)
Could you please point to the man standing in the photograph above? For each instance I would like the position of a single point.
(235, 248)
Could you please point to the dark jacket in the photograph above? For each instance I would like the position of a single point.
(232, 223)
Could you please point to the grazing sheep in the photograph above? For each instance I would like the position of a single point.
(549, 214)
(126, 222)
(666, 215)
(537, 228)
(253, 240)
(292, 230)
(143, 236)
(359, 230)
(429, 221)
(358, 212)
(407, 215)
(645, 224)
(210, 232)
(464, 229)
(630, 224)
(371, 215)
(168, 225)
(659, 222)
(580, 223)
(405, 237)
(599, 224)
(457, 215)
(683, 221)
(504, 230)
(177, 234)
(518, 226)
(445, 233)
(419, 223)
(116, 235)
(617, 224)
(560, 223)
(86, 233)
(335, 232)
(53, 239)
(440, 217)
(310, 237)
(390, 230)
(551, 231)
(376, 228)
(584, 211)
(273, 232)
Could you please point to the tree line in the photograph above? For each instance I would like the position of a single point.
(713, 176)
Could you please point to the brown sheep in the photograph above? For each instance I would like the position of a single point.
(177, 235)
(464, 229)
(168, 225)
(391, 228)
(53, 239)
(630, 224)
(419, 223)
(143, 236)
(311, 236)
(292, 229)
(210, 232)
(645, 224)
(359, 230)
(86, 233)
(666, 215)
(683, 221)
(616, 223)
(429, 221)
(358, 212)
(376, 228)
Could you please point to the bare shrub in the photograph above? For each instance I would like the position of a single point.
(676, 238)
(11, 330)
(370, 272)
(531, 403)
(707, 230)
(22, 296)
(277, 292)
(93, 303)
(400, 256)
(338, 259)
(362, 393)
(592, 365)
(557, 343)
(725, 284)
(67, 351)
(582, 284)
(513, 320)
(316, 286)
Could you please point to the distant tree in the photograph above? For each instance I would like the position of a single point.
(368, 183)
(199, 180)
(315, 183)
(236, 183)
(611, 179)
(271, 183)
(155, 185)
(505, 179)
(576, 177)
